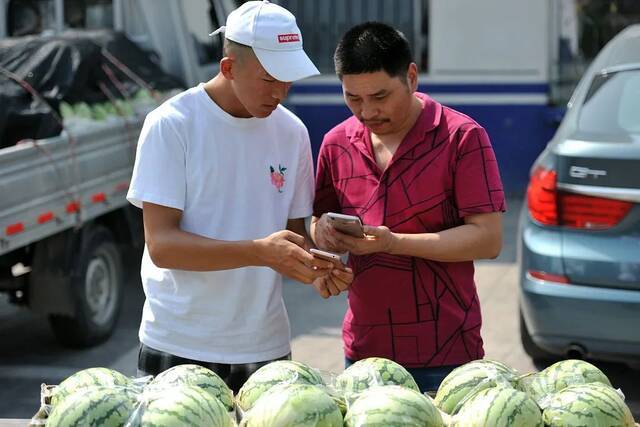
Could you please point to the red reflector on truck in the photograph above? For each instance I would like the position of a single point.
(72, 207)
(98, 198)
(123, 186)
(45, 217)
(548, 277)
(14, 228)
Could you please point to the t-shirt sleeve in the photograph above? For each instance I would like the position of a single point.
(477, 185)
(326, 199)
(302, 202)
(159, 170)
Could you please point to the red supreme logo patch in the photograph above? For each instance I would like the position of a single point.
(288, 38)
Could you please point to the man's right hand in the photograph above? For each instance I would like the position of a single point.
(284, 252)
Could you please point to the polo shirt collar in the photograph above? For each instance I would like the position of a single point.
(428, 120)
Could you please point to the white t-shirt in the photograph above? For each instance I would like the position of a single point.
(233, 179)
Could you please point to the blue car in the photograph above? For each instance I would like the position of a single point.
(579, 230)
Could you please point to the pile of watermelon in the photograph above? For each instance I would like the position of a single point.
(371, 392)
(568, 393)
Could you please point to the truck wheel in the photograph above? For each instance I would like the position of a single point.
(96, 290)
(536, 353)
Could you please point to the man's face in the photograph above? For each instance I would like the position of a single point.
(258, 92)
(380, 102)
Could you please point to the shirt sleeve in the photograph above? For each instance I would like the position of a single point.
(326, 199)
(477, 185)
(302, 202)
(159, 170)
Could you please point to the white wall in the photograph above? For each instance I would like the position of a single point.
(490, 39)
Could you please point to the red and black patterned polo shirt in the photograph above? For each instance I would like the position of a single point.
(418, 312)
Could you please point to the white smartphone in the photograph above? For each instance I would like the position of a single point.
(327, 256)
(347, 224)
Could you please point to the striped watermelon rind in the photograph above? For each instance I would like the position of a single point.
(93, 406)
(371, 372)
(294, 405)
(278, 372)
(184, 405)
(590, 405)
(472, 377)
(544, 384)
(499, 406)
(89, 378)
(196, 375)
(392, 405)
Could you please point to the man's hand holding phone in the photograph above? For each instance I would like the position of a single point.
(330, 233)
(338, 280)
(283, 251)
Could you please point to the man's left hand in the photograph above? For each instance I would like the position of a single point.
(377, 239)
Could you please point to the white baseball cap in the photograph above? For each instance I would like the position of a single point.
(271, 31)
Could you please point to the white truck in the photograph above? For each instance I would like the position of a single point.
(66, 228)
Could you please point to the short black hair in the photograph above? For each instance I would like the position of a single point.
(371, 47)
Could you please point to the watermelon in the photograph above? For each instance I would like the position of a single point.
(280, 371)
(94, 406)
(184, 405)
(198, 376)
(469, 378)
(370, 372)
(392, 405)
(543, 385)
(589, 405)
(498, 406)
(86, 378)
(294, 405)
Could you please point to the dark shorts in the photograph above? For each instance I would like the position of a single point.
(152, 362)
(428, 379)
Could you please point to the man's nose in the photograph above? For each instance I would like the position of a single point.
(368, 111)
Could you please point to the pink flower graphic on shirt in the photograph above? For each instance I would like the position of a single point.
(277, 177)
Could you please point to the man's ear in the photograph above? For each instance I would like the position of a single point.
(226, 67)
(412, 77)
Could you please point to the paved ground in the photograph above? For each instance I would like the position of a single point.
(29, 354)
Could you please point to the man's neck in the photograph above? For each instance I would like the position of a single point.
(220, 91)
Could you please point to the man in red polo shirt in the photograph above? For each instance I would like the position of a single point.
(424, 180)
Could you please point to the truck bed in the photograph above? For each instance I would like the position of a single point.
(50, 185)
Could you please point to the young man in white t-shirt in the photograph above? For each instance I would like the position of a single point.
(224, 176)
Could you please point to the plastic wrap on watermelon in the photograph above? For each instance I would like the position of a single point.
(294, 405)
(542, 386)
(87, 382)
(497, 406)
(591, 405)
(179, 405)
(470, 378)
(274, 373)
(371, 372)
(393, 405)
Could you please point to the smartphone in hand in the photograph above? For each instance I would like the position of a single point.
(325, 255)
(347, 224)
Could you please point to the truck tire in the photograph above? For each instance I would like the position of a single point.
(96, 288)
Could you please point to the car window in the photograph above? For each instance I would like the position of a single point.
(612, 104)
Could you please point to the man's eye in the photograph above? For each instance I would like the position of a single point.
(269, 80)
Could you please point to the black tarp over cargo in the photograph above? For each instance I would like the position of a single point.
(67, 67)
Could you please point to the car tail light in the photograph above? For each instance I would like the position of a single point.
(548, 277)
(542, 197)
(548, 206)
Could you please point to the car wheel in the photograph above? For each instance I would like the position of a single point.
(536, 353)
(96, 290)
